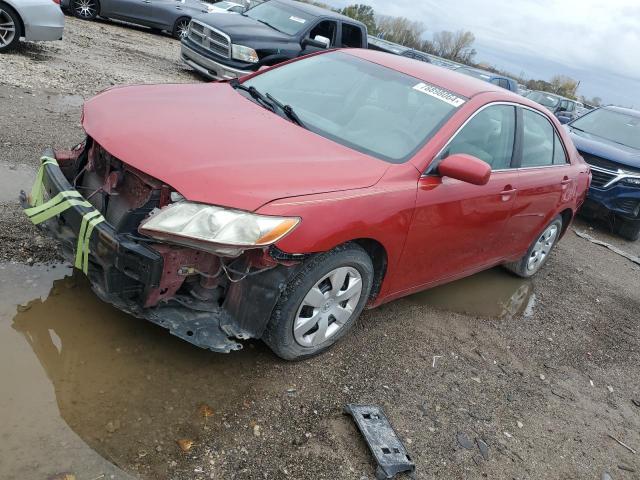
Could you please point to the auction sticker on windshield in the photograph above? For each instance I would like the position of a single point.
(440, 94)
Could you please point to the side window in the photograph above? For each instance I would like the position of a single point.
(326, 28)
(351, 36)
(504, 83)
(537, 140)
(489, 136)
(237, 9)
(559, 155)
(495, 81)
(571, 107)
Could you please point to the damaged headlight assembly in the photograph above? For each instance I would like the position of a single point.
(219, 230)
(245, 54)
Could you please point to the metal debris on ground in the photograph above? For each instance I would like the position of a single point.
(613, 248)
(384, 443)
(622, 444)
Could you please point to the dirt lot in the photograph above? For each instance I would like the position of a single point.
(541, 371)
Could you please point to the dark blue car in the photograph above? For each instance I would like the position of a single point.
(504, 82)
(609, 140)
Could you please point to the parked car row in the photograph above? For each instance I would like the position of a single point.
(33, 20)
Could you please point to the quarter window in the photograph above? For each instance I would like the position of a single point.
(537, 140)
(351, 36)
(559, 155)
(489, 136)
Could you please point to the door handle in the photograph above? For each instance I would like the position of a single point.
(565, 181)
(507, 192)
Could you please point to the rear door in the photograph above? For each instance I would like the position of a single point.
(546, 178)
(136, 11)
(457, 227)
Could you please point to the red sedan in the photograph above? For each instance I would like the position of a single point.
(279, 206)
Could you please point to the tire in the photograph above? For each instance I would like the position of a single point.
(294, 308)
(180, 27)
(627, 229)
(538, 251)
(10, 28)
(86, 9)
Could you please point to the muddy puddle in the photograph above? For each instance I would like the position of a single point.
(86, 387)
(492, 293)
(14, 179)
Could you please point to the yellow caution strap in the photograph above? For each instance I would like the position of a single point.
(37, 192)
(89, 222)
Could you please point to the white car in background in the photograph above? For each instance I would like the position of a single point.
(29, 19)
(227, 7)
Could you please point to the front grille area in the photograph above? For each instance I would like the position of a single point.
(600, 162)
(600, 179)
(210, 39)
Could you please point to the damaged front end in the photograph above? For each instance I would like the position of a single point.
(94, 204)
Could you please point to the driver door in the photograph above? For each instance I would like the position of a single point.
(457, 227)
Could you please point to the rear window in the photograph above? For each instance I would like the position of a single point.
(351, 36)
(360, 104)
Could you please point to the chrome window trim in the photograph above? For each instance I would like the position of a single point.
(619, 175)
(502, 102)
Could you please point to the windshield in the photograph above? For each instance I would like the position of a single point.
(615, 126)
(281, 17)
(225, 5)
(360, 104)
(545, 99)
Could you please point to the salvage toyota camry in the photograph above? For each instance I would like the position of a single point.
(284, 203)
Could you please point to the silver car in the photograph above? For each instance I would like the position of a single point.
(29, 19)
(170, 15)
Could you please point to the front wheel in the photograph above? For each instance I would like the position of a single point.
(181, 28)
(538, 252)
(86, 9)
(9, 28)
(321, 303)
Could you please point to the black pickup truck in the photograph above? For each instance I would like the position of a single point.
(223, 46)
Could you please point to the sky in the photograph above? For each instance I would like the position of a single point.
(594, 41)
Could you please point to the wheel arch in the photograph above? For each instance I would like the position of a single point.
(567, 216)
(23, 31)
(379, 258)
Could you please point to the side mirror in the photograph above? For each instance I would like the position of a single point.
(465, 168)
(315, 42)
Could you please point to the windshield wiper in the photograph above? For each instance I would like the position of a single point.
(254, 92)
(288, 111)
(268, 25)
(575, 128)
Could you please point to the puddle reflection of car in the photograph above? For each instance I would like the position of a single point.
(608, 138)
(33, 20)
(287, 202)
(172, 16)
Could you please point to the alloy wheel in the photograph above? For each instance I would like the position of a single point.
(183, 28)
(327, 307)
(543, 246)
(86, 8)
(7, 28)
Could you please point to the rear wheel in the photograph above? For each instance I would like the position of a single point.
(10, 32)
(628, 229)
(86, 9)
(181, 27)
(321, 303)
(538, 252)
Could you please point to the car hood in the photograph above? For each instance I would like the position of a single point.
(215, 146)
(601, 147)
(241, 27)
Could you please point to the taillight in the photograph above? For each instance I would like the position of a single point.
(56, 2)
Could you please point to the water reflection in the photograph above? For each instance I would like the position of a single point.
(126, 387)
(492, 293)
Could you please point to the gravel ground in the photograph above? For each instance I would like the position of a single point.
(543, 382)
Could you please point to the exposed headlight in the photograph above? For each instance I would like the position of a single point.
(246, 54)
(216, 229)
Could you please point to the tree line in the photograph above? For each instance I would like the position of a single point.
(455, 46)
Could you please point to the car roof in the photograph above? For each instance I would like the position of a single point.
(626, 111)
(317, 11)
(442, 77)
